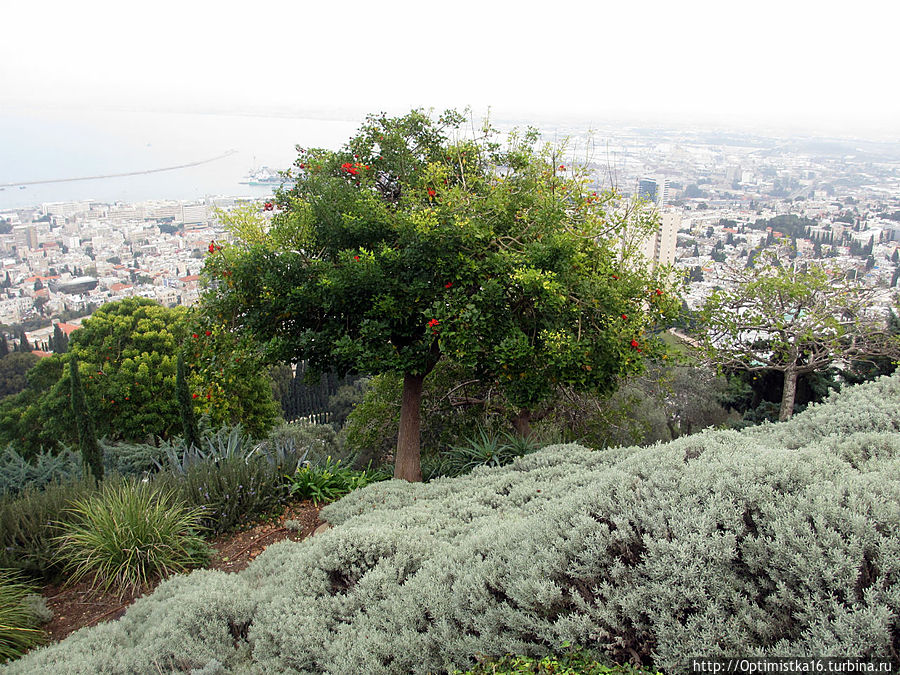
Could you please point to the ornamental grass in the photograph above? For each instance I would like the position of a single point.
(129, 534)
(18, 624)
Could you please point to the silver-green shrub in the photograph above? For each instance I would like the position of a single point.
(783, 541)
(18, 473)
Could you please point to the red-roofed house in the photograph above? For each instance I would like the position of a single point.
(68, 328)
(31, 280)
(190, 281)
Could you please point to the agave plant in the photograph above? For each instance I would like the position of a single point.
(487, 449)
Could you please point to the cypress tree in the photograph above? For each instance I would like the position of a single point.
(186, 406)
(4, 346)
(91, 454)
(24, 344)
(59, 343)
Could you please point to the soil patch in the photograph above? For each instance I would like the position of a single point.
(77, 605)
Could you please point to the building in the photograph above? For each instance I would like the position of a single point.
(654, 190)
(659, 247)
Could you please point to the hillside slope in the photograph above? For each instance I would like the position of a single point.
(780, 540)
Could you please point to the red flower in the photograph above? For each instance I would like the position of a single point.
(268, 206)
(431, 193)
(635, 344)
(212, 247)
(449, 284)
(615, 276)
(625, 316)
(302, 166)
(562, 167)
(195, 336)
(433, 323)
(208, 333)
(658, 292)
(356, 257)
(208, 397)
(194, 395)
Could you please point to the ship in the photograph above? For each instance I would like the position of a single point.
(263, 176)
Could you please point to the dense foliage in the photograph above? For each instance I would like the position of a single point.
(13, 369)
(415, 243)
(91, 454)
(127, 357)
(779, 541)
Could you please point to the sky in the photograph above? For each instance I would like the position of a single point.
(813, 67)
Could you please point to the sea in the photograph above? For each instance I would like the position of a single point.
(58, 143)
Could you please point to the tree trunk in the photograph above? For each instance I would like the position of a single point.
(407, 462)
(522, 423)
(788, 394)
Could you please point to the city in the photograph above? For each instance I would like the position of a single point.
(720, 198)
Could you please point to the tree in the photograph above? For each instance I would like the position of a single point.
(91, 454)
(59, 342)
(186, 406)
(13, 369)
(407, 246)
(778, 317)
(24, 344)
(128, 353)
(40, 303)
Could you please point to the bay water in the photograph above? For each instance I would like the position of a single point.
(47, 144)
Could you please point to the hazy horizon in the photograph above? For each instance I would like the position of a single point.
(778, 67)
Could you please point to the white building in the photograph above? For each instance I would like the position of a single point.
(660, 245)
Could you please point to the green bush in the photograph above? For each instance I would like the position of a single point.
(129, 534)
(30, 521)
(231, 492)
(330, 481)
(18, 624)
(720, 543)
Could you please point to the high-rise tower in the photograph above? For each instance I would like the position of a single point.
(654, 190)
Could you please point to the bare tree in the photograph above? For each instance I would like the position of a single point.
(794, 318)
